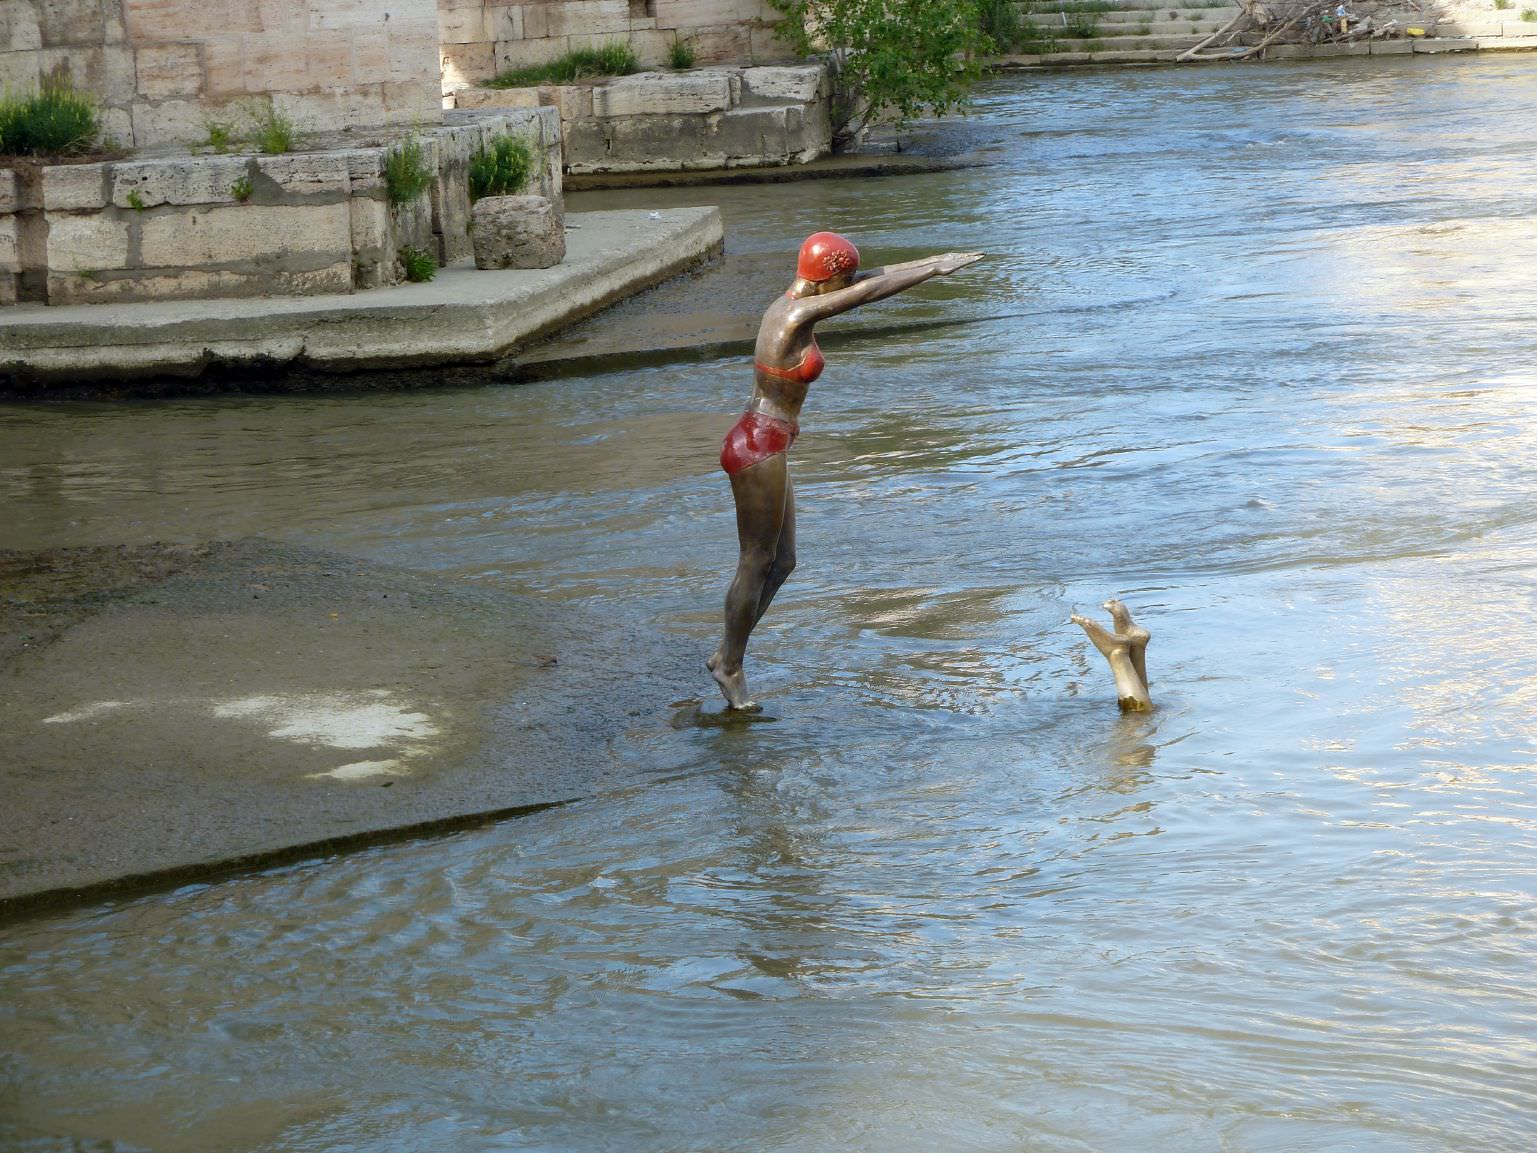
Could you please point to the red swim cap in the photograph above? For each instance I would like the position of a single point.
(824, 256)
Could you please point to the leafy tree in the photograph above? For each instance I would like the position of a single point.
(896, 59)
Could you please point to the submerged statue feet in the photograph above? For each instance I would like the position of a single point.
(733, 686)
(1126, 650)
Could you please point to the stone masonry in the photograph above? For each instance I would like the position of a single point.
(672, 121)
(483, 37)
(163, 69)
(201, 226)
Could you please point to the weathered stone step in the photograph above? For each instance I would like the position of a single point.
(1067, 58)
(1274, 52)
(1029, 11)
(1102, 44)
(1513, 28)
(1140, 16)
(1139, 40)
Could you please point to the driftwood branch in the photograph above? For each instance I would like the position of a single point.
(1190, 53)
(1264, 22)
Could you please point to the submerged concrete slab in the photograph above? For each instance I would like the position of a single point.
(463, 316)
(176, 713)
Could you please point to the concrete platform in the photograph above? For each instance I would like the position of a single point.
(462, 316)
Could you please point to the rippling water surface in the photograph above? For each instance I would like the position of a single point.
(1255, 352)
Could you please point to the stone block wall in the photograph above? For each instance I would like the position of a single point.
(1492, 27)
(181, 227)
(480, 38)
(164, 68)
(674, 121)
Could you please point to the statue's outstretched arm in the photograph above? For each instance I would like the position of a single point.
(880, 284)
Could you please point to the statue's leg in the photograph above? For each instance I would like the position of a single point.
(784, 552)
(760, 492)
(1130, 689)
(1135, 635)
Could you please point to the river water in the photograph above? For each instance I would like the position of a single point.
(1254, 351)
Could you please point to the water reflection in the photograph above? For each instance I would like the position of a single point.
(1251, 357)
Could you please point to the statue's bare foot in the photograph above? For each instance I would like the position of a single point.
(1107, 643)
(733, 686)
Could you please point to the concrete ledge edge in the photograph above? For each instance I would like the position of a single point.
(462, 316)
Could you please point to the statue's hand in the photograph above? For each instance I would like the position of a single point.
(953, 261)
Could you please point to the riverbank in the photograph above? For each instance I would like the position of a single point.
(463, 316)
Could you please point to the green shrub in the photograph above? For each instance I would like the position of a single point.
(1000, 23)
(1529, 14)
(1501, 5)
(681, 55)
(406, 175)
(135, 201)
(419, 264)
(221, 135)
(1081, 28)
(241, 190)
(54, 121)
(275, 133)
(502, 169)
(585, 63)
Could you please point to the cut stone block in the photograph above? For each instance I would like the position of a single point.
(572, 101)
(365, 170)
(10, 249)
(412, 223)
(373, 247)
(69, 21)
(721, 45)
(587, 17)
(19, 30)
(169, 70)
(660, 94)
(309, 173)
(10, 191)
(169, 121)
(793, 85)
(517, 232)
(527, 53)
(75, 187)
(464, 26)
(218, 235)
(659, 142)
(497, 98)
(652, 47)
(80, 243)
(199, 283)
(754, 132)
(197, 180)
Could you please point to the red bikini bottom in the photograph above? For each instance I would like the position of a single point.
(755, 438)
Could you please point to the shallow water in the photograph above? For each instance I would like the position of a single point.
(1254, 352)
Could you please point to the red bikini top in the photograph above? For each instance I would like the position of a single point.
(808, 369)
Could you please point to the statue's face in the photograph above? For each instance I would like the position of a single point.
(833, 283)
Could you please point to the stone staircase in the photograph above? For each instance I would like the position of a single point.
(1112, 31)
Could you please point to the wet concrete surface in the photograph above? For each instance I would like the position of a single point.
(170, 713)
